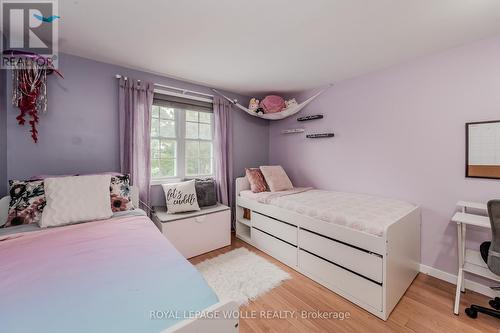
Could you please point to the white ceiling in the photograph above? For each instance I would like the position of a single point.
(269, 46)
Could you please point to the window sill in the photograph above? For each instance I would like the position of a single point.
(156, 182)
(165, 181)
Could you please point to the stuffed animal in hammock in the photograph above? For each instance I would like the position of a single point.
(254, 104)
(291, 103)
(272, 104)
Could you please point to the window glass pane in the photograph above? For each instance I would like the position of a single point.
(167, 113)
(155, 125)
(205, 149)
(167, 128)
(155, 148)
(155, 168)
(167, 167)
(167, 148)
(191, 116)
(205, 117)
(205, 131)
(191, 130)
(156, 111)
(191, 149)
(191, 167)
(196, 147)
(205, 166)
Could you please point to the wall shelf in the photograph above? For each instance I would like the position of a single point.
(310, 117)
(293, 131)
(320, 135)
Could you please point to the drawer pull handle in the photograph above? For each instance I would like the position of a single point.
(200, 218)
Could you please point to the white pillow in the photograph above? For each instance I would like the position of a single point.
(181, 197)
(276, 178)
(76, 199)
(4, 210)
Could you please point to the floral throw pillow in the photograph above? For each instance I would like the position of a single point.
(27, 199)
(120, 193)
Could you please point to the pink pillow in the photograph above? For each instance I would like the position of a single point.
(276, 178)
(256, 180)
(272, 104)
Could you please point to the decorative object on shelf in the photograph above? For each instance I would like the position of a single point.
(311, 117)
(293, 131)
(29, 87)
(320, 135)
(285, 113)
(246, 214)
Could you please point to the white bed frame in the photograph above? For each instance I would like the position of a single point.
(370, 271)
(222, 317)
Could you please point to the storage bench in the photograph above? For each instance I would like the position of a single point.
(198, 232)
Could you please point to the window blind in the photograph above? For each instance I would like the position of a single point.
(181, 103)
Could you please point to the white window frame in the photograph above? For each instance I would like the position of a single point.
(180, 158)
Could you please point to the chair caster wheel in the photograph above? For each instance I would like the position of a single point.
(471, 313)
(495, 303)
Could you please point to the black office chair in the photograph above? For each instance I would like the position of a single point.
(490, 251)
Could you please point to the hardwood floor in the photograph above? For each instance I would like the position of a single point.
(426, 307)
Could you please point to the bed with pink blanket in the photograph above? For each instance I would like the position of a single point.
(363, 247)
(361, 212)
(114, 275)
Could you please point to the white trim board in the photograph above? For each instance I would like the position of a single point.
(448, 277)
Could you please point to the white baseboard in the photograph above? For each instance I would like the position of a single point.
(471, 285)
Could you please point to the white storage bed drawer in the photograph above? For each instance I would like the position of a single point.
(280, 250)
(277, 228)
(335, 277)
(362, 262)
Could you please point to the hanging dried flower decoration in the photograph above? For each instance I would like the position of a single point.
(29, 88)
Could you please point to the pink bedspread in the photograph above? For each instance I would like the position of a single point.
(267, 197)
(103, 276)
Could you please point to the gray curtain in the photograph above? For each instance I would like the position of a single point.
(223, 150)
(135, 102)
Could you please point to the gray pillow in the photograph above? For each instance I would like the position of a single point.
(205, 192)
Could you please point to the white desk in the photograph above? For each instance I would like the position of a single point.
(470, 261)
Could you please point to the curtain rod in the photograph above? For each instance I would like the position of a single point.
(182, 91)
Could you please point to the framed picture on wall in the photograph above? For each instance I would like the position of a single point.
(483, 149)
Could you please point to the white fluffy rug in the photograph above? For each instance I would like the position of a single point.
(241, 275)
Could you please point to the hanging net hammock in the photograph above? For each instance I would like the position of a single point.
(290, 111)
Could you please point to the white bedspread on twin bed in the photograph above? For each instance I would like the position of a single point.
(362, 212)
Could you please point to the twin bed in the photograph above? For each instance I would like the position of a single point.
(115, 275)
(364, 248)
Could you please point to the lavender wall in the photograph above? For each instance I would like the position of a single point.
(400, 133)
(79, 133)
(3, 134)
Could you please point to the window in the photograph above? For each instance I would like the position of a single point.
(181, 138)
(199, 156)
(163, 142)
